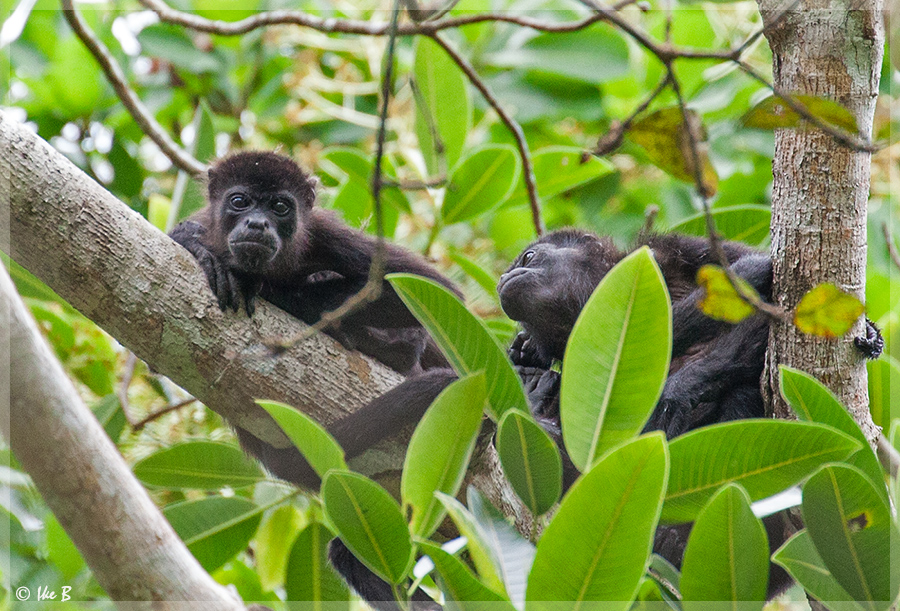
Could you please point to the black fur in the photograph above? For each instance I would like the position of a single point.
(261, 236)
(716, 366)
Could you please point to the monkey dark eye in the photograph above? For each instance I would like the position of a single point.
(527, 257)
(280, 208)
(239, 202)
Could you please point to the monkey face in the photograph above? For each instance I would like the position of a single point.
(257, 224)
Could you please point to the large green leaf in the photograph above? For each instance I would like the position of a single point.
(462, 590)
(447, 107)
(727, 555)
(763, 456)
(370, 523)
(558, 169)
(616, 360)
(309, 575)
(273, 541)
(594, 55)
(798, 556)
(476, 272)
(316, 444)
(852, 529)
(215, 528)
(530, 460)
(597, 545)
(884, 390)
(512, 553)
(204, 465)
(357, 166)
(482, 181)
(439, 451)
(813, 402)
(463, 338)
(486, 562)
(747, 223)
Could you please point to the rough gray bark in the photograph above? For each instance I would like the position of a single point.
(131, 549)
(149, 294)
(824, 49)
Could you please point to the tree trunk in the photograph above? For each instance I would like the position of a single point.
(822, 48)
(131, 549)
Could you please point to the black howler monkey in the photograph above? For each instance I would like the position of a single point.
(261, 236)
(716, 367)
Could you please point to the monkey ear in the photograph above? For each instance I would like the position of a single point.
(313, 182)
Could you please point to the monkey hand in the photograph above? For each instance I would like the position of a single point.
(221, 280)
(871, 344)
(542, 390)
(523, 352)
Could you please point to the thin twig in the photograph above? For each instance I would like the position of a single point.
(892, 248)
(846, 139)
(116, 76)
(715, 240)
(373, 287)
(888, 454)
(612, 139)
(353, 26)
(137, 426)
(511, 125)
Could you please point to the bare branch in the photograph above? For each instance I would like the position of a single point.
(141, 115)
(888, 454)
(352, 26)
(511, 124)
(892, 248)
(140, 424)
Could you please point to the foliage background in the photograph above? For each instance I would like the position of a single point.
(315, 97)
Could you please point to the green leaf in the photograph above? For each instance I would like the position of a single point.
(354, 201)
(481, 553)
(662, 134)
(594, 55)
(309, 575)
(727, 555)
(763, 456)
(798, 556)
(204, 465)
(318, 447)
(447, 106)
(558, 169)
(72, 63)
(61, 551)
(356, 165)
(813, 402)
(603, 530)
(215, 528)
(463, 338)
(440, 449)
(746, 223)
(853, 532)
(370, 523)
(616, 359)
(827, 311)
(774, 113)
(462, 590)
(482, 181)
(484, 279)
(720, 300)
(170, 43)
(530, 461)
(884, 390)
(512, 554)
(273, 543)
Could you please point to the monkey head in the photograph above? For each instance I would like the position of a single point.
(548, 284)
(259, 202)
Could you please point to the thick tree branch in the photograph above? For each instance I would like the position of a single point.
(131, 549)
(149, 294)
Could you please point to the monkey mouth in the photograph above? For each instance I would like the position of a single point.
(511, 275)
(251, 255)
